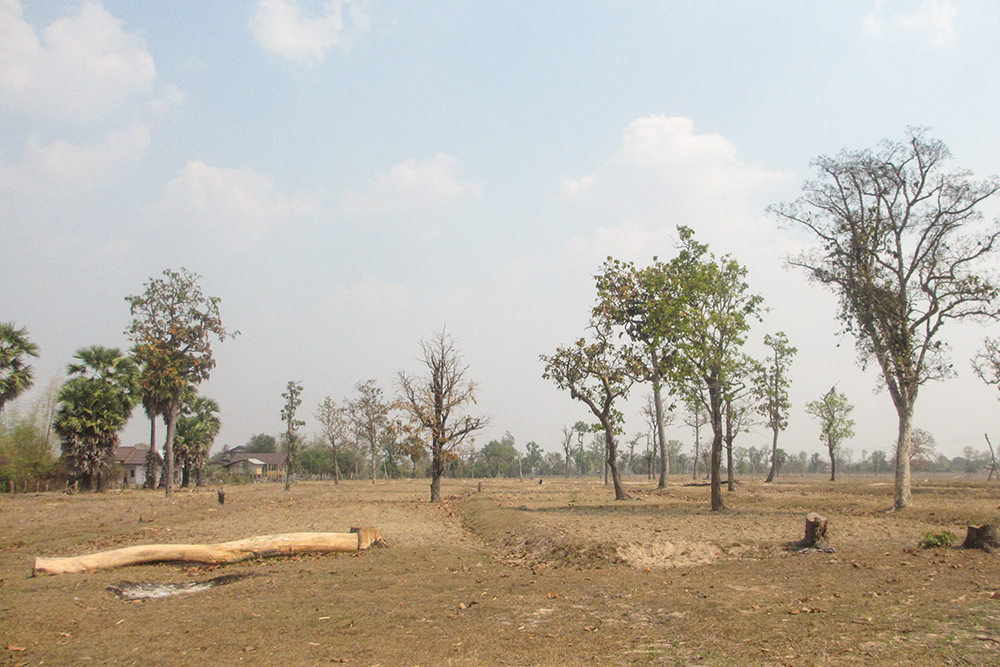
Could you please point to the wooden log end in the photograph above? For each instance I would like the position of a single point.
(368, 536)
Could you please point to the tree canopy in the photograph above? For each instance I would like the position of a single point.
(900, 243)
(173, 324)
(16, 375)
(438, 400)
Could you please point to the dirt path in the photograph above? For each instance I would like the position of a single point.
(522, 574)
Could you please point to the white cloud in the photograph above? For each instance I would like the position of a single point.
(663, 175)
(230, 208)
(934, 20)
(84, 65)
(411, 186)
(296, 34)
(66, 167)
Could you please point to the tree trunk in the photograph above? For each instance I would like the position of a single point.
(902, 497)
(151, 467)
(661, 436)
(612, 461)
(731, 483)
(336, 467)
(715, 405)
(833, 463)
(225, 552)
(774, 458)
(168, 445)
(185, 475)
(982, 537)
(437, 470)
(815, 532)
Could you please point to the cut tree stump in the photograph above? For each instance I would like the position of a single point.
(982, 537)
(262, 546)
(815, 532)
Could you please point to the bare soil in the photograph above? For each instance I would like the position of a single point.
(520, 574)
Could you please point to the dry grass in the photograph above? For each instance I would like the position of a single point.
(523, 574)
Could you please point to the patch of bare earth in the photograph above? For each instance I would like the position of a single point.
(520, 574)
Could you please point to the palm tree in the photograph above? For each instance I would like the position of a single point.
(197, 427)
(95, 404)
(15, 375)
(155, 403)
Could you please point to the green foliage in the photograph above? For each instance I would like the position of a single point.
(16, 375)
(95, 404)
(262, 443)
(172, 327)
(197, 427)
(944, 539)
(26, 454)
(889, 224)
(836, 425)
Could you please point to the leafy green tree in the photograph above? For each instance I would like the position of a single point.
(771, 388)
(292, 403)
(369, 415)
(172, 329)
(580, 428)
(25, 447)
(197, 427)
(333, 421)
(438, 400)
(718, 308)
(644, 303)
(891, 225)
(737, 410)
(598, 373)
(836, 425)
(262, 443)
(95, 404)
(533, 457)
(16, 375)
(499, 456)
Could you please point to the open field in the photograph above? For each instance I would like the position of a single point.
(521, 574)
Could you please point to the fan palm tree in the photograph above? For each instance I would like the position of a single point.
(16, 376)
(95, 404)
(196, 430)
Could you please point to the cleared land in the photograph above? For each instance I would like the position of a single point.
(521, 574)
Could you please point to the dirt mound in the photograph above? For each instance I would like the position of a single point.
(669, 554)
(520, 539)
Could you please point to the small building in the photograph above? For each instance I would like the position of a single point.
(256, 464)
(132, 459)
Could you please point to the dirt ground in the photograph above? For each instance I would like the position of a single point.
(521, 574)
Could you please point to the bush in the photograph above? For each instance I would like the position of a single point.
(945, 539)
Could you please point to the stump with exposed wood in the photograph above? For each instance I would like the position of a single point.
(214, 554)
(983, 537)
(815, 532)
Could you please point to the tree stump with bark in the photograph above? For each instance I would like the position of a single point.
(983, 537)
(815, 537)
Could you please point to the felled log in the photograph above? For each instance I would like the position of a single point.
(815, 532)
(262, 546)
(982, 537)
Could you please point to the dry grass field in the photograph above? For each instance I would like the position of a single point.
(520, 574)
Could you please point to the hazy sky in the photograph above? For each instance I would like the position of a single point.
(350, 176)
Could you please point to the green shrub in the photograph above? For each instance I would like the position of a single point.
(945, 538)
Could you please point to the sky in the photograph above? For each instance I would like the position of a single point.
(351, 176)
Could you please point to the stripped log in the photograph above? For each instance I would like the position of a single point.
(262, 546)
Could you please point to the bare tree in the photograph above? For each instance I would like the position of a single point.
(369, 415)
(331, 417)
(890, 223)
(771, 387)
(567, 445)
(437, 401)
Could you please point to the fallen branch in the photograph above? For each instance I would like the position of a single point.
(262, 546)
